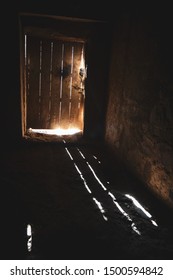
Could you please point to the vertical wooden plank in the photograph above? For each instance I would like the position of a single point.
(45, 90)
(33, 70)
(66, 74)
(77, 94)
(56, 47)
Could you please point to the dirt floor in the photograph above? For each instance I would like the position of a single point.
(80, 204)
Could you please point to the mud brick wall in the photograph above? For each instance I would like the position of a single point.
(139, 120)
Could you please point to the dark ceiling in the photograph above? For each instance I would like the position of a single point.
(96, 9)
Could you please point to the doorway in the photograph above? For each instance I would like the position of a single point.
(55, 75)
(63, 74)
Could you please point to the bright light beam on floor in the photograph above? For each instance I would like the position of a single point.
(100, 208)
(96, 159)
(114, 200)
(29, 237)
(84, 181)
(92, 170)
(82, 155)
(136, 203)
(69, 153)
(139, 206)
(98, 180)
(85, 184)
(124, 213)
(57, 131)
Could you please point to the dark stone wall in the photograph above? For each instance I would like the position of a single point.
(139, 121)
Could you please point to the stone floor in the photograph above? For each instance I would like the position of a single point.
(80, 203)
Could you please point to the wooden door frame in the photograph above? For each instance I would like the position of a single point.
(80, 30)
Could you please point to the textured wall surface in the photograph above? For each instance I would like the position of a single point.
(139, 121)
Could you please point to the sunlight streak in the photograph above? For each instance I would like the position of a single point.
(139, 206)
(29, 236)
(69, 153)
(84, 181)
(100, 208)
(98, 180)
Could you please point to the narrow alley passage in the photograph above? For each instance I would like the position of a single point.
(73, 201)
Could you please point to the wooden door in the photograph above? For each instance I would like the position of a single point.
(55, 90)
